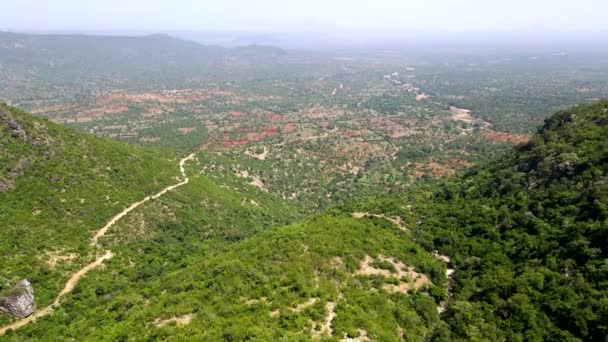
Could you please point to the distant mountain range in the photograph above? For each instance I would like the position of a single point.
(64, 55)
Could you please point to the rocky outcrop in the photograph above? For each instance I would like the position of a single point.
(20, 301)
(16, 130)
(6, 185)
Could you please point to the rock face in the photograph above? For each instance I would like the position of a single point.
(17, 131)
(20, 302)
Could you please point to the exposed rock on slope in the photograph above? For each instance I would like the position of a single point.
(20, 301)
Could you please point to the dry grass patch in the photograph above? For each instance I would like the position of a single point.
(59, 257)
(300, 307)
(414, 279)
(252, 301)
(361, 338)
(179, 321)
(255, 180)
(336, 262)
(324, 328)
(260, 156)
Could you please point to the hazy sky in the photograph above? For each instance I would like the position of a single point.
(304, 15)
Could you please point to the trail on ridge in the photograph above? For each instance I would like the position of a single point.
(76, 276)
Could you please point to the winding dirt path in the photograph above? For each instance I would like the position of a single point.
(396, 220)
(133, 206)
(76, 276)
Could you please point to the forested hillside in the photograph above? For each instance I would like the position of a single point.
(56, 187)
(528, 235)
(513, 249)
(214, 252)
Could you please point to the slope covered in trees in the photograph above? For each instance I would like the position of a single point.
(56, 187)
(220, 259)
(215, 253)
(285, 283)
(528, 235)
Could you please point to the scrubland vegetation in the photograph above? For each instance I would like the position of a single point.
(327, 198)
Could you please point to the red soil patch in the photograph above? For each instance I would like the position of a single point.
(504, 137)
(458, 162)
(116, 109)
(349, 134)
(319, 114)
(255, 136)
(274, 117)
(155, 110)
(196, 98)
(272, 132)
(289, 128)
(234, 143)
(236, 114)
(323, 124)
(103, 100)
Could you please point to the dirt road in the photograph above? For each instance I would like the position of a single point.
(76, 276)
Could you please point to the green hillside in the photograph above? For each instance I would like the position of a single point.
(527, 234)
(252, 289)
(216, 248)
(56, 187)
(221, 258)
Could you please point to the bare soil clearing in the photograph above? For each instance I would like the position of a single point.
(255, 180)
(253, 301)
(179, 321)
(421, 96)
(59, 257)
(464, 115)
(418, 280)
(300, 307)
(325, 327)
(361, 338)
(443, 306)
(261, 156)
(336, 262)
